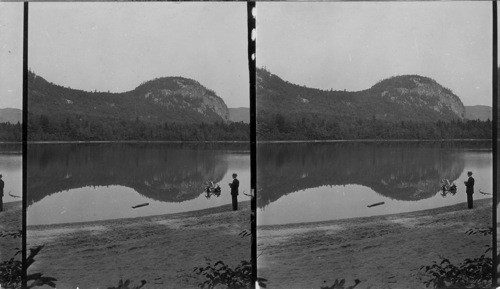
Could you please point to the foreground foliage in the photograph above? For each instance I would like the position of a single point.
(127, 285)
(340, 284)
(470, 273)
(11, 270)
(220, 273)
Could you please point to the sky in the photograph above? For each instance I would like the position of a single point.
(117, 46)
(11, 55)
(353, 45)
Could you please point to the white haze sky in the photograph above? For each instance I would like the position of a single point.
(117, 46)
(11, 55)
(353, 45)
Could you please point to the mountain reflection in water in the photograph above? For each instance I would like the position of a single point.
(162, 172)
(405, 171)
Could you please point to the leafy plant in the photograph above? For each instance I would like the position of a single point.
(126, 285)
(471, 273)
(222, 274)
(340, 284)
(11, 272)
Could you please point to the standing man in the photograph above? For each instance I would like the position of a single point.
(470, 189)
(234, 191)
(2, 184)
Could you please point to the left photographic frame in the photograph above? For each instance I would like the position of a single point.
(11, 102)
(138, 155)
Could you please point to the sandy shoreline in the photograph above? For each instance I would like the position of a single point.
(159, 249)
(382, 251)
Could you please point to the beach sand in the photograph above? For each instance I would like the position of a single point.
(163, 250)
(382, 251)
(10, 221)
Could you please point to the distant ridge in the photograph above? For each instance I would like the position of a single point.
(481, 112)
(238, 114)
(11, 115)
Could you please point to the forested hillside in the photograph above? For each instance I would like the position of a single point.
(170, 108)
(402, 107)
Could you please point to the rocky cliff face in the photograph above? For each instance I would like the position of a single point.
(421, 93)
(185, 93)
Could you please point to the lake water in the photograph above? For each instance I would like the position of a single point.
(70, 183)
(308, 182)
(11, 163)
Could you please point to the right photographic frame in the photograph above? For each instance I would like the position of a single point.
(374, 144)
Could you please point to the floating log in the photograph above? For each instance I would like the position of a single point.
(484, 193)
(141, 205)
(376, 204)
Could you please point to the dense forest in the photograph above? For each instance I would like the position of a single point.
(11, 132)
(277, 127)
(80, 128)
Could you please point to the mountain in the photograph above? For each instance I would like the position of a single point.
(11, 115)
(481, 112)
(238, 114)
(166, 99)
(399, 98)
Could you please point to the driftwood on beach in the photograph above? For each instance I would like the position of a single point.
(376, 204)
(140, 205)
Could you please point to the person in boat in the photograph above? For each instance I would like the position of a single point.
(445, 183)
(447, 186)
(469, 184)
(2, 184)
(234, 191)
(210, 186)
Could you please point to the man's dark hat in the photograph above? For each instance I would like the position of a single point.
(469, 173)
(235, 174)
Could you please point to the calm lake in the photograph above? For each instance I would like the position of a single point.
(70, 183)
(11, 163)
(308, 182)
